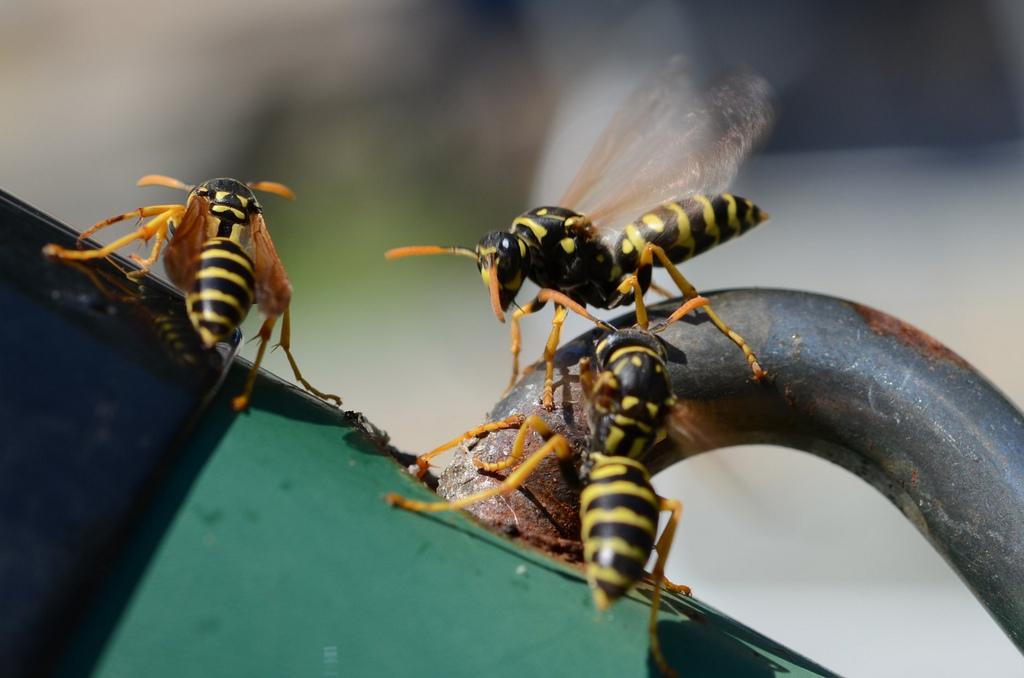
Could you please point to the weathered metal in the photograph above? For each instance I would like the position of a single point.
(848, 383)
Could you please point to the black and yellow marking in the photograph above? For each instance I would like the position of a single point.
(686, 228)
(544, 226)
(231, 206)
(223, 290)
(619, 515)
(635, 394)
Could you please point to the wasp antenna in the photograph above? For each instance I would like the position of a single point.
(161, 180)
(420, 250)
(272, 187)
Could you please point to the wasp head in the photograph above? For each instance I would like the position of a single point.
(230, 193)
(608, 346)
(504, 261)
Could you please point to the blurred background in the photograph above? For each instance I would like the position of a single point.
(894, 178)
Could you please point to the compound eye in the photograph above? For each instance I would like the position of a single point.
(508, 255)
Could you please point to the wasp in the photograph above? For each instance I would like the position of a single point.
(666, 156)
(216, 249)
(629, 397)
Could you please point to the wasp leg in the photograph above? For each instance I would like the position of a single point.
(548, 397)
(533, 422)
(676, 588)
(565, 302)
(158, 243)
(423, 461)
(555, 444)
(638, 298)
(663, 547)
(689, 292)
(241, 401)
(687, 307)
(517, 338)
(141, 213)
(560, 298)
(285, 342)
(162, 213)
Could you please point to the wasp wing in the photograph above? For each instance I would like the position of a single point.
(627, 136)
(694, 426)
(668, 142)
(273, 290)
(181, 257)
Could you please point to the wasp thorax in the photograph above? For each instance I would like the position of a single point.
(507, 257)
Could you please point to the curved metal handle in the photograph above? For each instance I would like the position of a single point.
(849, 384)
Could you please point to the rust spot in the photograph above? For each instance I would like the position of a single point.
(913, 478)
(884, 325)
(544, 512)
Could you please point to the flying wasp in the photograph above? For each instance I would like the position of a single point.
(629, 397)
(666, 156)
(217, 250)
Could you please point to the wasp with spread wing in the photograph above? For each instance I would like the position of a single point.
(667, 156)
(216, 249)
(629, 398)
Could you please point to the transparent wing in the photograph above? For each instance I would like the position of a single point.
(669, 141)
(181, 257)
(273, 290)
(688, 431)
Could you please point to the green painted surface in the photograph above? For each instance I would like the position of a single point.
(273, 554)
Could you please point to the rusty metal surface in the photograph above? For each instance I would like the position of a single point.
(849, 384)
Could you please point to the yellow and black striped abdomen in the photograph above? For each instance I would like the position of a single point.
(619, 513)
(686, 228)
(223, 290)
